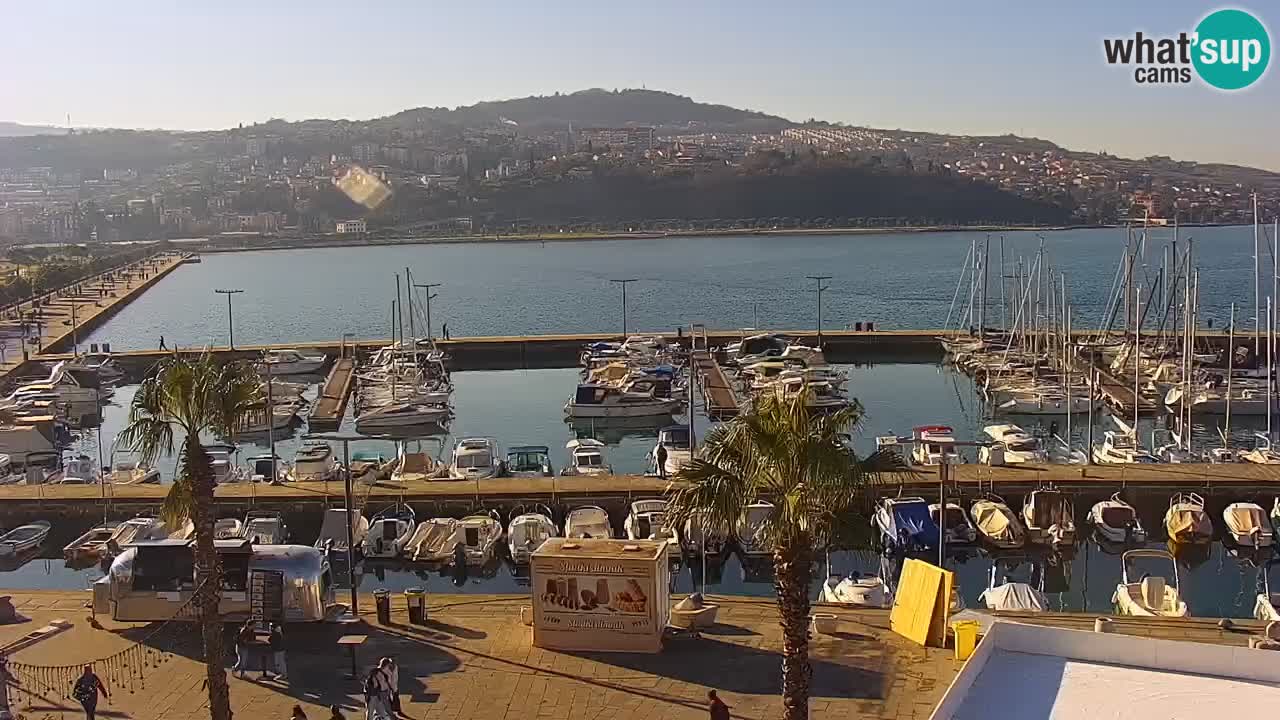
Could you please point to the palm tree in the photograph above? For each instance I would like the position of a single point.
(784, 453)
(184, 400)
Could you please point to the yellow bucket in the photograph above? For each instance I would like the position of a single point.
(966, 637)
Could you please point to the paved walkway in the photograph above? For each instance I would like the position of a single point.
(475, 660)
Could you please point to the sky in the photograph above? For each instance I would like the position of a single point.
(971, 67)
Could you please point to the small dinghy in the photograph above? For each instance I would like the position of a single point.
(24, 538)
(1248, 525)
(647, 521)
(389, 532)
(588, 522)
(1186, 521)
(956, 525)
(856, 591)
(1267, 607)
(1003, 593)
(333, 530)
(227, 529)
(997, 524)
(527, 531)
(1116, 521)
(92, 545)
(134, 530)
(1150, 596)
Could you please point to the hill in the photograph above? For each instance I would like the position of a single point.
(13, 129)
(601, 108)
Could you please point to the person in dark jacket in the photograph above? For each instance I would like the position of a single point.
(277, 652)
(661, 457)
(86, 690)
(719, 711)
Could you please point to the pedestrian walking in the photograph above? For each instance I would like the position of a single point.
(277, 652)
(335, 713)
(392, 669)
(661, 457)
(376, 694)
(244, 638)
(162, 347)
(86, 691)
(719, 711)
(444, 330)
(298, 714)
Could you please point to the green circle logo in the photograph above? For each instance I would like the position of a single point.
(1232, 49)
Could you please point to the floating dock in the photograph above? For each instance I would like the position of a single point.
(329, 407)
(718, 395)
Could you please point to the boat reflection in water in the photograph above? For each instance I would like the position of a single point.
(612, 431)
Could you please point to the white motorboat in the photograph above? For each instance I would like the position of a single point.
(750, 530)
(528, 461)
(675, 440)
(1150, 596)
(527, 531)
(222, 459)
(475, 459)
(956, 526)
(997, 524)
(314, 461)
(291, 362)
(257, 422)
(1004, 593)
(389, 417)
(588, 522)
(586, 457)
(136, 530)
(822, 397)
(479, 535)
(228, 528)
(1247, 525)
(603, 401)
(333, 530)
(934, 445)
(1215, 401)
(905, 524)
(100, 364)
(697, 536)
(1267, 607)
(92, 545)
(265, 527)
(408, 467)
(24, 538)
(1117, 522)
(856, 591)
(433, 540)
(131, 472)
(268, 468)
(1186, 522)
(66, 385)
(186, 531)
(389, 532)
(7, 474)
(647, 521)
(1017, 445)
(1119, 448)
(1049, 518)
(77, 471)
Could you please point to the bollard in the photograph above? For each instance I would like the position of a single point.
(1102, 625)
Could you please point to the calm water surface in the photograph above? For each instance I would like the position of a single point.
(895, 280)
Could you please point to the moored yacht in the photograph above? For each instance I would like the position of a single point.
(528, 461)
(527, 531)
(602, 401)
(586, 457)
(934, 445)
(291, 362)
(675, 441)
(475, 459)
(1017, 445)
(1119, 448)
(315, 461)
(396, 415)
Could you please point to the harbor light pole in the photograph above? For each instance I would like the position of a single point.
(231, 333)
(427, 287)
(820, 280)
(624, 283)
(350, 502)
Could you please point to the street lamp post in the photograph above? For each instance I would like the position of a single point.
(231, 334)
(820, 280)
(427, 287)
(624, 283)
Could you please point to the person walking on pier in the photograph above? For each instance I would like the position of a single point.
(162, 347)
(277, 652)
(86, 691)
(719, 711)
(661, 457)
(444, 331)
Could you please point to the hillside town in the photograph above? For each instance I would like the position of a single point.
(280, 179)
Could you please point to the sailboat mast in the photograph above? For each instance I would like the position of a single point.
(1231, 347)
(1004, 308)
(982, 309)
(1257, 292)
(1137, 350)
(1271, 352)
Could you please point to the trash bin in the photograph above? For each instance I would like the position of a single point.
(416, 599)
(966, 637)
(382, 601)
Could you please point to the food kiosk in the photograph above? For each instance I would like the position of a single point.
(600, 595)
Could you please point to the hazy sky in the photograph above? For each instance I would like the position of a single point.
(953, 66)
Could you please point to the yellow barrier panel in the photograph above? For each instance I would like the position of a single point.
(921, 605)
